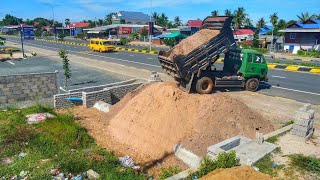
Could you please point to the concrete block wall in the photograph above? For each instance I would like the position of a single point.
(101, 87)
(23, 87)
(303, 125)
(61, 100)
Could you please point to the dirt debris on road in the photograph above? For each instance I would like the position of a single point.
(147, 123)
(236, 173)
(192, 42)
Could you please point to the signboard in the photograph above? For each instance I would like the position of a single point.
(151, 25)
(27, 33)
(125, 30)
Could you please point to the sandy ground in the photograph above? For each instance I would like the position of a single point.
(236, 173)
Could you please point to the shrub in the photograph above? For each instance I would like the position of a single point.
(261, 50)
(308, 163)
(168, 172)
(134, 36)
(300, 52)
(124, 41)
(171, 42)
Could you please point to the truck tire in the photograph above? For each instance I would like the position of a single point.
(204, 85)
(252, 84)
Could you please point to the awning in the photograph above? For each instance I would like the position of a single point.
(93, 32)
(172, 35)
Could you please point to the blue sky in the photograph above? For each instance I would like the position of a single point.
(78, 10)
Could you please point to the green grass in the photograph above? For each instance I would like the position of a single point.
(168, 172)
(306, 163)
(57, 142)
(265, 165)
(273, 139)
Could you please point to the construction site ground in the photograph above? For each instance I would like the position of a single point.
(106, 130)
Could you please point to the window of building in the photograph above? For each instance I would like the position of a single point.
(292, 35)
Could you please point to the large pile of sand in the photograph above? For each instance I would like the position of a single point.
(192, 42)
(236, 173)
(161, 115)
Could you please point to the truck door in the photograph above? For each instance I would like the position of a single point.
(250, 67)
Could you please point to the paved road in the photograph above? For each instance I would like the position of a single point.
(81, 76)
(302, 87)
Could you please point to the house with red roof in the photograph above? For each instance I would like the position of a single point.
(243, 35)
(77, 28)
(195, 25)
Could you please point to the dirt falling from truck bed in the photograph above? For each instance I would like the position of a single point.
(162, 115)
(192, 42)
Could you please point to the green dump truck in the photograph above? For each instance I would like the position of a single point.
(195, 71)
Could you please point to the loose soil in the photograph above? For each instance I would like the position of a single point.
(236, 173)
(147, 123)
(192, 42)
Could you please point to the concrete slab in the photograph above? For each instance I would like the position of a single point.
(247, 150)
(188, 157)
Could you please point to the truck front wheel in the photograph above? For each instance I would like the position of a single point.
(204, 85)
(252, 84)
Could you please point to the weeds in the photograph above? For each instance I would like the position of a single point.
(56, 142)
(273, 139)
(307, 163)
(267, 166)
(168, 172)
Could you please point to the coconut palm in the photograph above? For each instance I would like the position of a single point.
(261, 23)
(155, 17)
(67, 22)
(177, 21)
(274, 20)
(303, 17)
(215, 13)
(239, 17)
(227, 12)
(248, 22)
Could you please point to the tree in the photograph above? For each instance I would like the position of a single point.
(155, 16)
(261, 23)
(66, 65)
(274, 20)
(256, 39)
(28, 22)
(227, 12)
(163, 20)
(215, 13)
(280, 25)
(303, 17)
(11, 20)
(177, 21)
(67, 22)
(248, 22)
(239, 17)
(108, 18)
(170, 42)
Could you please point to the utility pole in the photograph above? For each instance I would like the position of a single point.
(150, 34)
(21, 34)
(52, 8)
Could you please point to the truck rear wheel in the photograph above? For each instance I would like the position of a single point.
(204, 85)
(252, 84)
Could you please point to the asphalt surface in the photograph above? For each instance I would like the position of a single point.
(80, 76)
(303, 87)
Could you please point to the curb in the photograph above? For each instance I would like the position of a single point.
(117, 48)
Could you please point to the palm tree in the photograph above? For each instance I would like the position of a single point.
(67, 21)
(261, 23)
(155, 17)
(274, 20)
(215, 13)
(227, 12)
(303, 17)
(248, 22)
(108, 18)
(177, 21)
(239, 17)
(314, 15)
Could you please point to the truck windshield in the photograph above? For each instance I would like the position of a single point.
(259, 59)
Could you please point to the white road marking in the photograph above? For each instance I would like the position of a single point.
(281, 77)
(306, 92)
(11, 62)
(131, 55)
(150, 58)
(116, 53)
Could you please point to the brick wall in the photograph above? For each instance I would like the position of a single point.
(61, 100)
(23, 87)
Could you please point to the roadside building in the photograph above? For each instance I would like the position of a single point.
(302, 35)
(265, 30)
(194, 25)
(77, 28)
(243, 35)
(129, 17)
(186, 30)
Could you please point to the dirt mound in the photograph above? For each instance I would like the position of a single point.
(236, 173)
(161, 115)
(194, 41)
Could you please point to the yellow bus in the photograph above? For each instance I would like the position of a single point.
(101, 45)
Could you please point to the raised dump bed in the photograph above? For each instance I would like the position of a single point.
(199, 51)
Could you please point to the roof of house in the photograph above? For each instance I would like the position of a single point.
(79, 24)
(311, 25)
(243, 32)
(131, 15)
(194, 23)
(265, 30)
